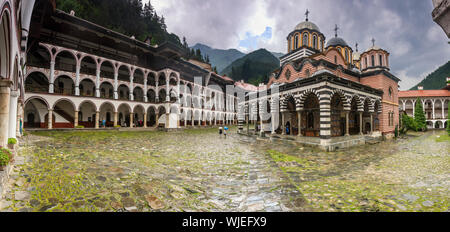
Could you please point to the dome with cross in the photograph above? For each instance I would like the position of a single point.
(306, 35)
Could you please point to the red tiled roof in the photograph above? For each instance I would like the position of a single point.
(246, 86)
(226, 78)
(424, 93)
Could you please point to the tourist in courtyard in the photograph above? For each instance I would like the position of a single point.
(220, 131)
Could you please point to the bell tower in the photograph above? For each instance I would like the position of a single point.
(374, 58)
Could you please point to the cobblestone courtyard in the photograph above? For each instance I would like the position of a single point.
(196, 170)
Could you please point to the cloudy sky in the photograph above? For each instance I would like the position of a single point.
(404, 28)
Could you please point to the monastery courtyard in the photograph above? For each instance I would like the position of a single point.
(196, 170)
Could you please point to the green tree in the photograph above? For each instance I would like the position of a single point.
(246, 70)
(408, 123)
(129, 17)
(419, 116)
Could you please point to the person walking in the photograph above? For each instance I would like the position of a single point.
(225, 133)
(220, 131)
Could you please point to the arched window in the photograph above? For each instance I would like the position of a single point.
(365, 61)
(314, 41)
(305, 39)
(373, 61)
(289, 44)
(346, 55)
(335, 59)
(296, 42)
(390, 91)
(307, 73)
(381, 60)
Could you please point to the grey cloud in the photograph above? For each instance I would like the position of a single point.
(401, 27)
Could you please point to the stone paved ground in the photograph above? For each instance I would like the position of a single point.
(196, 170)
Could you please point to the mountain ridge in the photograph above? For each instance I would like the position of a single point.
(436, 79)
(221, 58)
(253, 68)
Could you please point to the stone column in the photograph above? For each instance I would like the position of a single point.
(360, 123)
(97, 118)
(156, 90)
(167, 88)
(116, 83)
(145, 120)
(261, 124)
(50, 119)
(414, 107)
(75, 121)
(19, 120)
(4, 111)
(131, 119)
(115, 119)
(157, 119)
(97, 83)
(167, 120)
(283, 130)
(299, 114)
(145, 90)
(432, 102)
(77, 79)
(272, 122)
(346, 123)
(52, 76)
(371, 123)
(131, 88)
(248, 125)
(325, 119)
(442, 104)
(13, 113)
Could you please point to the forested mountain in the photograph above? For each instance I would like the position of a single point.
(254, 67)
(277, 54)
(219, 57)
(129, 17)
(436, 79)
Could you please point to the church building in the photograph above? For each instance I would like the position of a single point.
(326, 93)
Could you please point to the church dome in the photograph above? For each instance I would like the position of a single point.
(336, 41)
(373, 48)
(307, 25)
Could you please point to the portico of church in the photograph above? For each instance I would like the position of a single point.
(323, 110)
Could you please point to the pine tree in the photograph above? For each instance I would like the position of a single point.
(148, 11)
(163, 23)
(198, 55)
(419, 116)
(185, 44)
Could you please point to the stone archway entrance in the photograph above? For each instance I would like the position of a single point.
(311, 116)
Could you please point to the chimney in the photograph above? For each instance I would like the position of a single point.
(420, 87)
